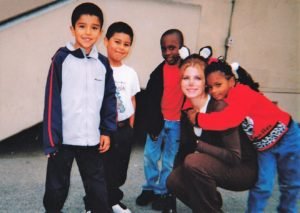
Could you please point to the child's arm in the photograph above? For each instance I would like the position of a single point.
(230, 150)
(132, 117)
(52, 123)
(239, 106)
(135, 88)
(230, 153)
(109, 105)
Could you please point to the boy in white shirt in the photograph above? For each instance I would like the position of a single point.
(118, 42)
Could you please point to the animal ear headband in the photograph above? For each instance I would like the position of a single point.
(207, 52)
(184, 52)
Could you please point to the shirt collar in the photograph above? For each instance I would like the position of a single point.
(80, 52)
(188, 105)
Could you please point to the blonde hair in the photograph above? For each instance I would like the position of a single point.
(193, 60)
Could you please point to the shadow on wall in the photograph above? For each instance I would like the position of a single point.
(31, 139)
(26, 141)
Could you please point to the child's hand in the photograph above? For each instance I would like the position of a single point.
(51, 155)
(192, 115)
(104, 143)
(131, 122)
(153, 137)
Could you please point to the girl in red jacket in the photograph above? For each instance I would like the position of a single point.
(271, 130)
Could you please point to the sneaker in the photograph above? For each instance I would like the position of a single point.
(120, 208)
(160, 203)
(146, 197)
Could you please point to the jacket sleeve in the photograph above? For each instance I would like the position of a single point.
(154, 90)
(52, 122)
(230, 153)
(239, 106)
(109, 105)
(229, 148)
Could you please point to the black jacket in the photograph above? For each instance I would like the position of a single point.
(231, 146)
(154, 93)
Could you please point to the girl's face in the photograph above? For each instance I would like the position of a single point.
(193, 82)
(219, 85)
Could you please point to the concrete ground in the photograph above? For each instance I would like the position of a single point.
(22, 178)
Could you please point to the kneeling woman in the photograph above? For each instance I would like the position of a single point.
(208, 159)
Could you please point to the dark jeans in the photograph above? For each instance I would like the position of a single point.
(91, 169)
(195, 181)
(116, 161)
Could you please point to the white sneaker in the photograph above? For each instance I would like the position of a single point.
(120, 208)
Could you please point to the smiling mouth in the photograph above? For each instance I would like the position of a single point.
(87, 39)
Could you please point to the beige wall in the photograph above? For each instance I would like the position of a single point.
(265, 41)
(10, 8)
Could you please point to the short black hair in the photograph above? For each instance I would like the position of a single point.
(87, 9)
(174, 31)
(119, 27)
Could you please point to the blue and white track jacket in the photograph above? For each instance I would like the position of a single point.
(80, 102)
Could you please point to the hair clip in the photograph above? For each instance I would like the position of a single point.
(206, 52)
(184, 52)
(234, 67)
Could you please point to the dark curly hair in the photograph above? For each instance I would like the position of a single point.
(243, 76)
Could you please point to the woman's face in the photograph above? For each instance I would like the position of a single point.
(193, 82)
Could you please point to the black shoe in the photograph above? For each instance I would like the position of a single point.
(170, 204)
(146, 197)
(160, 203)
(167, 210)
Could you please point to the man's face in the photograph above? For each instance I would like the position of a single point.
(170, 49)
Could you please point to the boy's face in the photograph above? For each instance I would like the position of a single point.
(118, 47)
(170, 49)
(87, 31)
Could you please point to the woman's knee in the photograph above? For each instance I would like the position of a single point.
(191, 163)
(198, 164)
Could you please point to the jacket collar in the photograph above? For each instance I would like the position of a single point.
(80, 52)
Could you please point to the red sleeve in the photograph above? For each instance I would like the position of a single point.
(240, 101)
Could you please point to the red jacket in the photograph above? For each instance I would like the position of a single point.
(262, 120)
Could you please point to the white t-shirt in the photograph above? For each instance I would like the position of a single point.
(127, 85)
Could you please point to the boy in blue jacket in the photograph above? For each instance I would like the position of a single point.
(80, 113)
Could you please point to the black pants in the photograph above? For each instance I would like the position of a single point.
(116, 161)
(91, 169)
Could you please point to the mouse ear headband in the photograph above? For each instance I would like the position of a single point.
(184, 52)
(207, 52)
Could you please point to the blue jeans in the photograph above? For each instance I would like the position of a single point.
(285, 157)
(156, 176)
